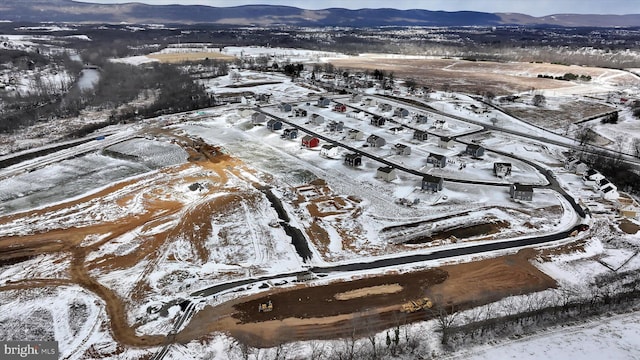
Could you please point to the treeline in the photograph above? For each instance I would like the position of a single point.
(567, 77)
(619, 172)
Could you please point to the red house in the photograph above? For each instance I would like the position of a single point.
(309, 141)
(340, 108)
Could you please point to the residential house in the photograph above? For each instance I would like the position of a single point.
(474, 150)
(609, 192)
(355, 134)
(369, 102)
(402, 149)
(274, 125)
(356, 98)
(353, 159)
(396, 130)
(421, 119)
(309, 141)
(441, 124)
(521, 192)
(263, 98)
(401, 112)
(298, 112)
(284, 107)
(378, 120)
(577, 166)
(591, 176)
(386, 173)
(420, 135)
(258, 118)
(340, 108)
(329, 151)
(376, 141)
(384, 107)
(290, 133)
(501, 169)
(437, 160)
(317, 119)
(336, 126)
(432, 183)
(357, 114)
(445, 142)
(323, 102)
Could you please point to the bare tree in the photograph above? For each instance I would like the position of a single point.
(539, 100)
(635, 144)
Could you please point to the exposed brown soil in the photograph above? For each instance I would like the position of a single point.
(629, 227)
(304, 313)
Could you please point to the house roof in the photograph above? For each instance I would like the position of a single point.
(521, 187)
(431, 179)
(400, 146)
(473, 146)
(436, 156)
(502, 164)
(374, 138)
(590, 172)
(329, 146)
(445, 138)
(386, 169)
(308, 138)
(352, 156)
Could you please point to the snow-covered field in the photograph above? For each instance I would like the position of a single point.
(241, 242)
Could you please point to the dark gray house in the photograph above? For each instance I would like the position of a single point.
(432, 183)
(290, 133)
(284, 107)
(474, 150)
(378, 120)
(401, 112)
(297, 112)
(420, 135)
(258, 118)
(376, 141)
(335, 126)
(274, 125)
(402, 149)
(317, 119)
(323, 102)
(353, 159)
(437, 160)
(421, 119)
(521, 192)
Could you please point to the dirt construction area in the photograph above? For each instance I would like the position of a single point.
(178, 232)
(362, 306)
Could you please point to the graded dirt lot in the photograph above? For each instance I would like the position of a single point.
(190, 56)
(314, 312)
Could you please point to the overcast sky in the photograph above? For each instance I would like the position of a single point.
(530, 7)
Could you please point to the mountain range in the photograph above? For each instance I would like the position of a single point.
(271, 15)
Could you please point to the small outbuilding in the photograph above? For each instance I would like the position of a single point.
(437, 160)
(353, 159)
(521, 192)
(386, 173)
(432, 183)
(309, 141)
(376, 141)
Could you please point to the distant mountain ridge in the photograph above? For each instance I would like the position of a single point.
(271, 15)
